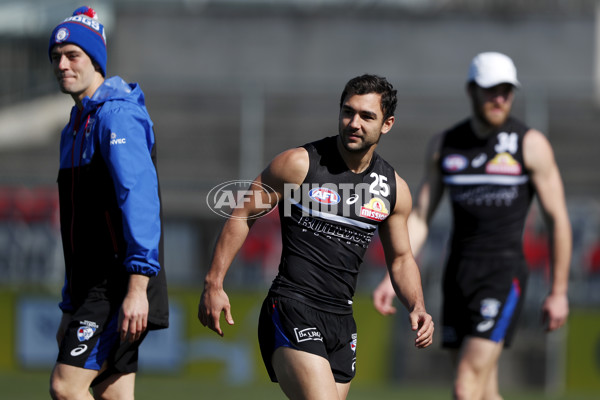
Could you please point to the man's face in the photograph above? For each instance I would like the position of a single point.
(74, 70)
(492, 105)
(361, 122)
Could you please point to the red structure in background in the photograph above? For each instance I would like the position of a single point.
(29, 205)
(536, 249)
(263, 245)
(593, 258)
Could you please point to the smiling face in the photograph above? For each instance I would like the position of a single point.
(75, 72)
(492, 105)
(361, 122)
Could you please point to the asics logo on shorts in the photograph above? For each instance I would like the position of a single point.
(302, 335)
(79, 350)
(485, 325)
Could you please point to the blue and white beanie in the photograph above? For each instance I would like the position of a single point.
(84, 30)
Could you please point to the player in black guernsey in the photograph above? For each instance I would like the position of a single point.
(492, 165)
(327, 225)
(333, 195)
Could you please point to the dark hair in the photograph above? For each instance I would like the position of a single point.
(366, 84)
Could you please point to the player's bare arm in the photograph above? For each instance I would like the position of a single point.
(402, 267)
(545, 175)
(289, 167)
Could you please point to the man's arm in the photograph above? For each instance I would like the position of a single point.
(133, 317)
(135, 182)
(289, 167)
(402, 267)
(545, 176)
(427, 200)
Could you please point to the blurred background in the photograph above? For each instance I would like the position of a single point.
(230, 84)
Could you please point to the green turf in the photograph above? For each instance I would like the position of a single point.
(34, 385)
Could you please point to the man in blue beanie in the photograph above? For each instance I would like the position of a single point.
(110, 215)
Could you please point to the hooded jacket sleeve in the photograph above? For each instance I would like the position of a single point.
(126, 143)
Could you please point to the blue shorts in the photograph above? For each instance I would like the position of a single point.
(290, 323)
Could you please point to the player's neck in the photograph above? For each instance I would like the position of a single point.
(356, 161)
(482, 129)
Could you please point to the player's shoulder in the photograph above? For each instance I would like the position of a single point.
(291, 162)
(535, 141)
(537, 150)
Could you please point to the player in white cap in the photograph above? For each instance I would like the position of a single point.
(492, 165)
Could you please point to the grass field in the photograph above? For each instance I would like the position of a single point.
(34, 385)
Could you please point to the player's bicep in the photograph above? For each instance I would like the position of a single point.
(285, 172)
(394, 230)
(539, 161)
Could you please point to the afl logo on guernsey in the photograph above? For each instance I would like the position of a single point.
(324, 195)
(454, 163)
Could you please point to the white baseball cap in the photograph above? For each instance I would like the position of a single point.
(491, 68)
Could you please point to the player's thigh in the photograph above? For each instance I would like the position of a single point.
(479, 355)
(303, 375)
(343, 389)
(116, 387)
(67, 381)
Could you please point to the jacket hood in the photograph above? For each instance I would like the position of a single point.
(115, 88)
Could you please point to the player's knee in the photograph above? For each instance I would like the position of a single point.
(466, 386)
(61, 390)
(58, 390)
(492, 395)
(460, 391)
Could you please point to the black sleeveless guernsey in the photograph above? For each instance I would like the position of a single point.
(327, 224)
(490, 189)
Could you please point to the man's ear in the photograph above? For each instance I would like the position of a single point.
(387, 125)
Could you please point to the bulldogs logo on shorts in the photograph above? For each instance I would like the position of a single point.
(489, 310)
(85, 332)
(490, 307)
